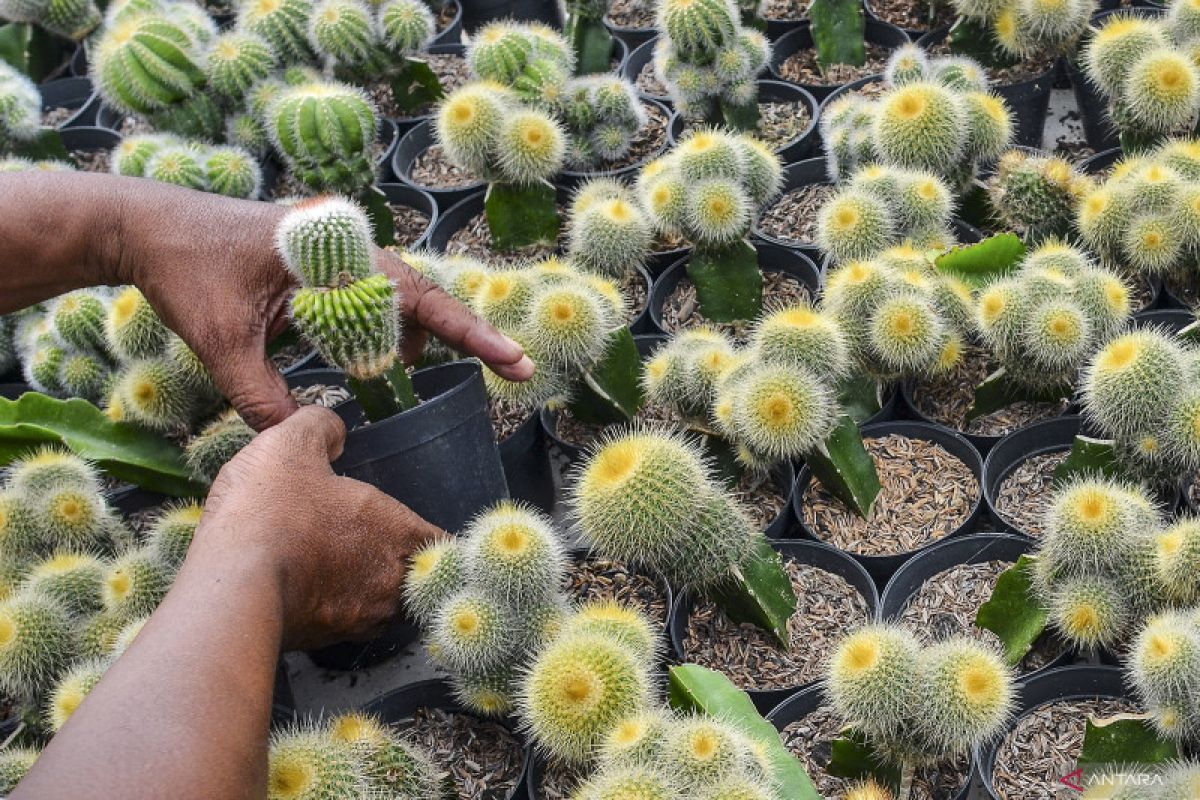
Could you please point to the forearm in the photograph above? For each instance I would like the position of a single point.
(64, 231)
(185, 712)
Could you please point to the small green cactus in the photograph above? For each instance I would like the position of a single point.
(1037, 195)
(306, 764)
(50, 469)
(612, 620)
(472, 632)
(602, 115)
(406, 26)
(135, 584)
(324, 131)
(79, 320)
(576, 690)
(609, 231)
(73, 579)
(233, 172)
(638, 739)
(391, 765)
(20, 107)
(283, 24)
(71, 689)
(180, 165)
(133, 330)
(154, 394)
(130, 156)
(70, 19)
(84, 375)
(343, 30)
(170, 534)
(37, 641)
(967, 695)
(15, 762)
(237, 60)
(533, 60)
(435, 573)
(216, 444)
(515, 554)
(72, 518)
(873, 676)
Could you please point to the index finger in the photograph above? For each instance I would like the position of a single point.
(424, 303)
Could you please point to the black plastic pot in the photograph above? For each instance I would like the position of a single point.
(572, 178)
(638, 58)
(771, 258)
(874, 32)
(1029, 99)
(972, 549)
(476, 13)
(78, 66)
(404, 124)
(805, 702)
(527, 467)
(1173, 320)
(403, 195)
(89, 139)
(1066, 683)
(11, 391)
(814, 554)
(452, 33)
(401, 704)
(73, 93)
(778, 28)
(633, 38)
(1095, 164)
(440, 459)
(912, 33)
(795, 176)
(415, 141)
(770, 91)
(388, 134)
(1048, 436)
(1169, 298)
(882, 568)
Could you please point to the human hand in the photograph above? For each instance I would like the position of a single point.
(336, 548)
(208, 266)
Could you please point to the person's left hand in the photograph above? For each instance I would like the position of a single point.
(209, 267)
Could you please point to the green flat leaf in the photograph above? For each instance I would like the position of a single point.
(415, 85)
(610, 391)
(699, 690)
(760, 593)
(859, 397)
(124, 451)
(996, 391)
(837, 32)
(382, 222)
(845, 468)
(1190, 333)
(47, 53)
(1088, 456)
(14, 45)
(1013, 612)
(46, 146)
(519, 216)
(853, 757)
(592, 42)
(728, 283)
(979, 264)
(1124, 739)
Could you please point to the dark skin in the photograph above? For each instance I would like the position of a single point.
(288, 555)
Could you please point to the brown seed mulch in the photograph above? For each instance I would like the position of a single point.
(1044, 745)
(92, 160)
(910, 511)
(434, 169)
(778, 123)
(451, 70)
(411, 224)
(827, 605)
(946, 398)
(648, 82)
(631, 13)
(475, 239)
(785, 9)
(559, 780)
(809, 740)
(290, 355)
(946, 604)
(802, 67)
(1185, 287)
(870, 91)
(585, 434)
(793, 216)
(913, 14)
(761, 497)
(482, 758)
(682, 310)
(53, 117)
(635, 293)
(1004, 76)
(134, 126)
(321, 395)
(598, 578)
(646, 143)
(506, 417)
(1025, 493)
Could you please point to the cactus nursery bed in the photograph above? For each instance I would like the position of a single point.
(862, 456)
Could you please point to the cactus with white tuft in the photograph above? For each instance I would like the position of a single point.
(1007, 32)
(20, 107)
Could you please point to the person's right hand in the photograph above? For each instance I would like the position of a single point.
(336, 548)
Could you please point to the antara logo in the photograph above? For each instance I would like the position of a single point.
(1073, 781)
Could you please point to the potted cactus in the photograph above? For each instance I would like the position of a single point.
(226, 170)
(1142, 65)
(590, 38)
(1006, 34)
(21, 130)
(1036, 196)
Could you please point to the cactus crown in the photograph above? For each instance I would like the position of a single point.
(324, 131)
(148, 62)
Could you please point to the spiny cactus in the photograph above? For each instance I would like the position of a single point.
(15, 762)
(391, 765)
(306, 763)
(171, 532)
(49, 469)
(610, 233)
(73, 519)
(216, 444)
(72, 579)
(651, 499)
(135, 584)
(324, 131)
(344, 30)
(20, 107)
(612, 620)
(153, 394)
(1164, 667)
(37, 641)
(133, 330)
(435, 573)
(532, 60)
(235, 61)
(1037, 195)
(406, 26)
(71, 19)
(602, 115)
(916, 704)
(70, 691)
(1020, 29)
(708, 61)
(637, 739)
(284, 25)
(515, 554)
(576, 690)
(233, 172)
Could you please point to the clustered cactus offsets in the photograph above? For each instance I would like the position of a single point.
(350, 755)
(1146, 66)
(1007, 31)
(71, 19)
(918, 705)
(76, 583)
(1146, 216)
(709, 61)
(226, 170)
(1036, 195)
(1140, 390)
(938, 116)
(709, 189)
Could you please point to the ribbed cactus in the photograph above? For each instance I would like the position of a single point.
(233, 172)
(180, 165)
(84, 375)
(344, 308)
(406, 26)
(392, 766)
(343, 30)
(532, 60)
(71, 19)
(20, 107)
(236, 60)
(1007, 31)
(283, 23)
(324, 131)
(307, 763)
(1037, 195)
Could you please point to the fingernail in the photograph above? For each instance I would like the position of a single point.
(526, 365)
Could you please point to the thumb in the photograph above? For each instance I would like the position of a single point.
(254, 387)
(313, 432)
